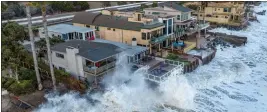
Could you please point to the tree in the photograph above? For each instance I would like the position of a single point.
(14, 31)
(43, 8)
(121, 2)
(3, 7)
(40, 86)
(143, 6)
(106, 4)
(155, 4)
(191, 6)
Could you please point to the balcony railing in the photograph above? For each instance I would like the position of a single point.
(179, 67)
(203, 26)
(159, 39)
(96, 71)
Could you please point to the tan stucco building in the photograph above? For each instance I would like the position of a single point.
(228, 13)
(120, 28)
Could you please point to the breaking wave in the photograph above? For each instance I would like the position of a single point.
(235, 81)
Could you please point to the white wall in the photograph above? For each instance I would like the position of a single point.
(80, 62)
(59, 62)
(71, 60)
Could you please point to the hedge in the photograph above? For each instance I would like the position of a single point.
(8, 82)
(25, 86)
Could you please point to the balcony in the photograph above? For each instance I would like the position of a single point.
(202, 26)
(159, 39)
(92, 70)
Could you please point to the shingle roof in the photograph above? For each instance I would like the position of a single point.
(94, 51)
(177, 7)
(110, 21)
(128, 49)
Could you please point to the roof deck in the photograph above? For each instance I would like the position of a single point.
(66, 28)
(159, 69)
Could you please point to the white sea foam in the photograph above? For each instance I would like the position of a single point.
(235, 81)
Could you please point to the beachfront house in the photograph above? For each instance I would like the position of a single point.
(92, 59)
(226, 13)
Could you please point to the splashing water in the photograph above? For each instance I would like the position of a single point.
(235, 81)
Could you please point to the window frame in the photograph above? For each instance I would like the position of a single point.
(178, 16)
(143, 36)
(59, 55)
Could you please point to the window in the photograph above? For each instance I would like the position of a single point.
(42, 32)
(81, 35)
(178, 17)
(225, 10)
(108, 28)
(61, 68)
(139, 45)
(215, 9)
(113, 29)
(148, 12)
(148, 36)
(200, 15)
(169, 22)
(143, 36)
(169, 29)
(216, 16)
(226, 17)
(97, 28)
(88, 26)
(229, 9)
(60, 55)
(53, 35)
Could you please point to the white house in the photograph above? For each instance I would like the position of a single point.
(91, 59)
(69, 32)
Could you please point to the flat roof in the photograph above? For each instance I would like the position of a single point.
(67, 28)
(128, 49)
(93, 51)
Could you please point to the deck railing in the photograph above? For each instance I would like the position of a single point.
(97, 71)
(178, 66)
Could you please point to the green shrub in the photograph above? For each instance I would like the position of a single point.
(172, 56)
(3, 80)
(26, 74)
(191, 6)
(25, 86)
(8, 83)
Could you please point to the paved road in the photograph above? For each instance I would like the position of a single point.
(69, 16)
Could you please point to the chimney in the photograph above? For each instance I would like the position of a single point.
(134, 42)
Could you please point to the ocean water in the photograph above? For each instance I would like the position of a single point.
(235, 81)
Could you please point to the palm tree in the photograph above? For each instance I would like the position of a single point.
(43, 8)
(204, 4)
(40, 86)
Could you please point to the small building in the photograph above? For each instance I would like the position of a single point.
(68, 32)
